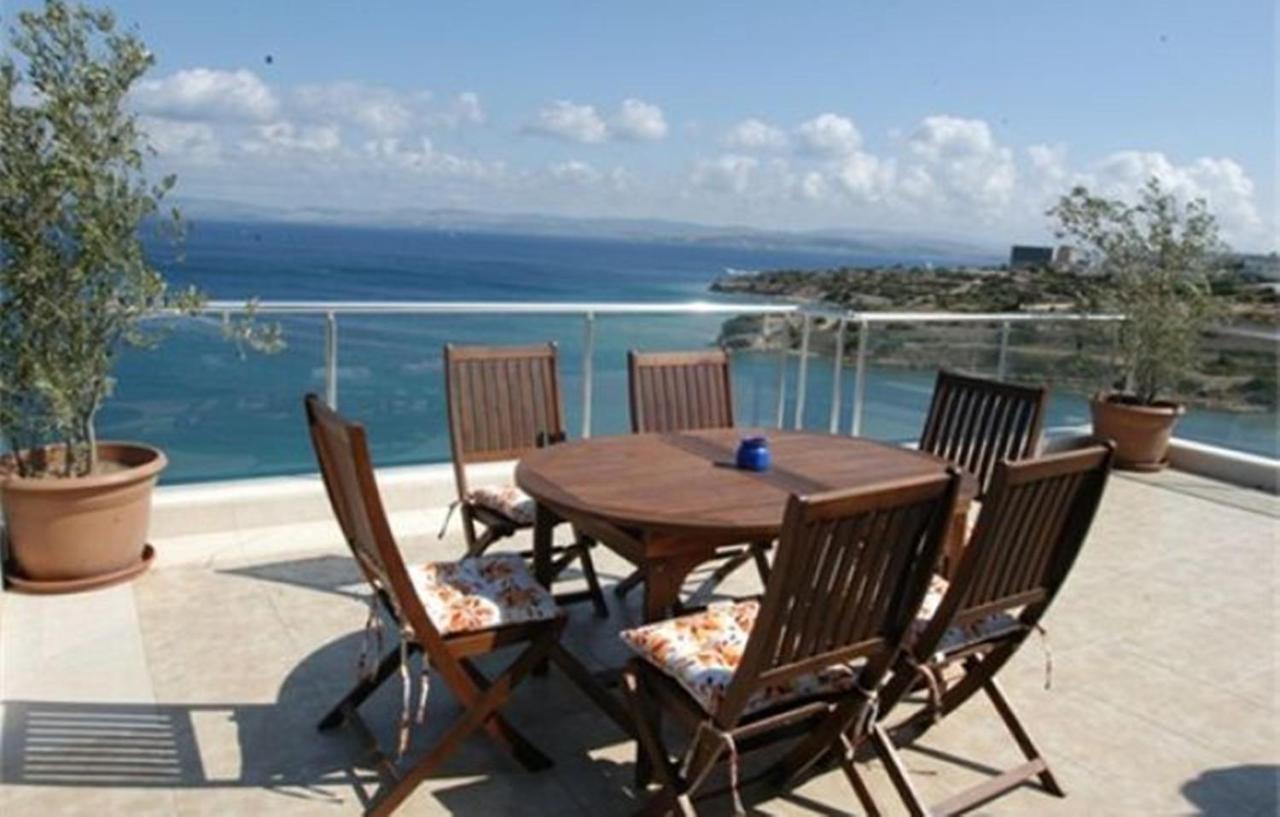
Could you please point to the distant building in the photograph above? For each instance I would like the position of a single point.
(1024, 256)
(1066, 258)
(1062, 257)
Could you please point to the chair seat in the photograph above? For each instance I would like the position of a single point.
(507, 500)
(701, 652)
(480, 593)
(957, 638)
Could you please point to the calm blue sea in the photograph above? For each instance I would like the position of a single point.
(223, 414)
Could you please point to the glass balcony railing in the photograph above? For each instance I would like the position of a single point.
(224, 413)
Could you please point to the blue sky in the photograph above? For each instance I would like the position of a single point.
(955, 118)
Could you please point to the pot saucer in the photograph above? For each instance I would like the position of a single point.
(51, 586)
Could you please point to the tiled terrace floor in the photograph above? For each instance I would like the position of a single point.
(1163, 699)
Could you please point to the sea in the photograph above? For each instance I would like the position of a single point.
(223, 412)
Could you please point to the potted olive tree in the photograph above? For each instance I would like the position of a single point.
(1152, 262)
(75, 287)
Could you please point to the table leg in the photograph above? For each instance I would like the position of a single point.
(544, 522)
(544, 572)
(663, 580)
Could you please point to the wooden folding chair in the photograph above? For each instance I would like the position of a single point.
(975, 423)
(1033, 523)
(687, 391)
(809, 658)
(504, 401)
(450, 612)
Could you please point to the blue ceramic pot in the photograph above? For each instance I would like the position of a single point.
(753, 454)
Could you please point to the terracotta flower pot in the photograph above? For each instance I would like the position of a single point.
(1141, 432)
(82, 532)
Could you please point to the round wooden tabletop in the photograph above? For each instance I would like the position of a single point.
(686, 482)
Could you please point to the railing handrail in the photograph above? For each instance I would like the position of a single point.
(632, 308)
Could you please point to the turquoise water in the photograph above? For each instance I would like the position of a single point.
(220, 414)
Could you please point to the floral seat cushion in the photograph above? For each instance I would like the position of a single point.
(957, 637)
(507, 500)
(480, 592)
(702, 651)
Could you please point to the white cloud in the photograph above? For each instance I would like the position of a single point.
(424, 158)
(754, 134)
(828, 135)
(377, 110)
(466, 109)
(286, 137)
(957, 163)
(575, 172)
(193, 142)
(640, 121)
(563, 119)
(729, 173)
(205, 94)
(864, 176)
(1221, 182)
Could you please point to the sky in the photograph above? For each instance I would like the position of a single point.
(954, 119)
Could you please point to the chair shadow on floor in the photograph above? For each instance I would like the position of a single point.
(1225, 792)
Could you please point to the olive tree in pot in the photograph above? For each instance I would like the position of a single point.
(75, 287)
(1152, 262)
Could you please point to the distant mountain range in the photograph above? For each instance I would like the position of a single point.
(886, 242)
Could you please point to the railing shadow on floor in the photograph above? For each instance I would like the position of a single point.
(273, 746)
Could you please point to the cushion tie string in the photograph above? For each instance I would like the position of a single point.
(448, 514)
(931, 681)
(735, 763)
(405, 689)
(371, 643)
(870, 711)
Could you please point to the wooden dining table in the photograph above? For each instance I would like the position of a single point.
(666, 502)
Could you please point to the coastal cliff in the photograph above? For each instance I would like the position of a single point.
(1235, 374)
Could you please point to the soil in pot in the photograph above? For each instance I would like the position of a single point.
(67, 534)
(1140, 431)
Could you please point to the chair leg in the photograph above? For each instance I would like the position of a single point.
(725, 569)
(898, 772)
(582, 678)
(361, 691)
(1029, 750)
(760, 553)
(479, 711)
(847, 759)
(652, 760)
(589, 574)
(631, 582)
(503, 733)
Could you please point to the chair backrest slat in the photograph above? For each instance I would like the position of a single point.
(680, 391)
(342, 453)
(503, 401)
(852, 568)
(1033, 523)
(977, 423)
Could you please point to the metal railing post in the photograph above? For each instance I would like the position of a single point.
(860, 377)
(837, 372)
(331, 359)
(802, 376)
(1002, 362)
(588, 370)
(782, 376)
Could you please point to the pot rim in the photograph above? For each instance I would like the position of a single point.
(136, 473)
(1165, 408)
